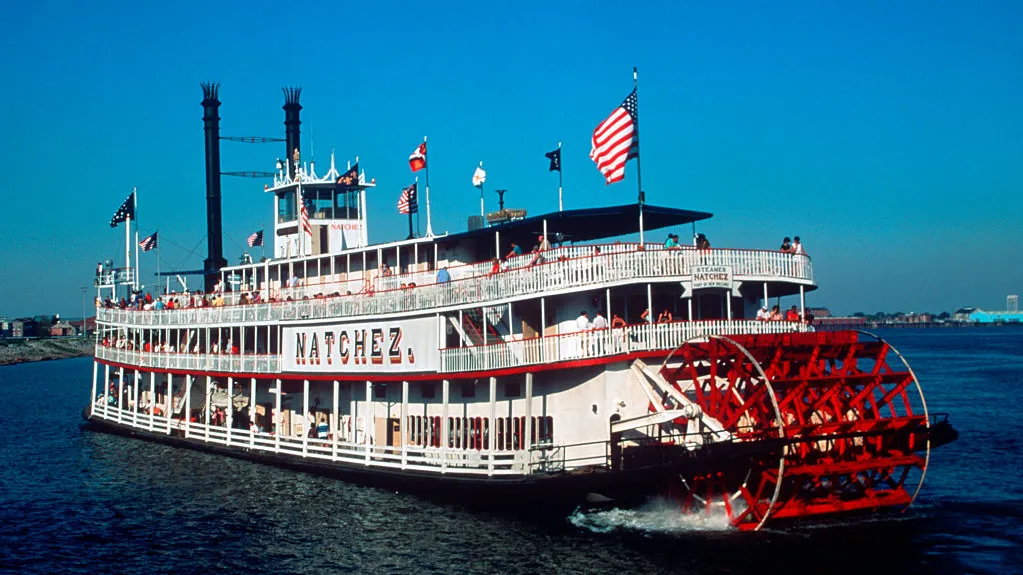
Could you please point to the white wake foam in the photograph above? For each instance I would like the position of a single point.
(656, 516)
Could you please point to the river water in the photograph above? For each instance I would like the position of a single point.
(78, 501)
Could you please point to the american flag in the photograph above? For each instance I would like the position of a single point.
(305, 221)
(148, 243)
(256, 239)
(127, 210)
(616, 140)
(408, 203)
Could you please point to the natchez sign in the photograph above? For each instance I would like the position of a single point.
(712, 277)
(370, 347)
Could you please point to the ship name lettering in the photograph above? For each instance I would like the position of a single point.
(376, 350)
(328, 342)
(300, 348)
(359, 353)
(394, 354)
(343, 348)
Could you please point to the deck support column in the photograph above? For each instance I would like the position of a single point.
(253, 428)
(168, 399)
(765, 294)
(526, 429)
(209, 384)
(649, 303)
(543, 329)
(134, 392)
(690, 304)
(188, 406)
(492, 435)
(728, 304)
(120, 393)
(106, 390)
(308, 422)
(802, 302)
(335, 425)
(404, 423)
(230, 407)
(445, 425)
(369, 418)
(277, 419)
(152, 398)
(92, 398)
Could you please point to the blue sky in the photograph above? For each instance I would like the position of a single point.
(888, 135)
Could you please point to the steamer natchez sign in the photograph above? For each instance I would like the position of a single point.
(377, 346)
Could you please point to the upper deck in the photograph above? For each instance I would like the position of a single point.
(560, 270)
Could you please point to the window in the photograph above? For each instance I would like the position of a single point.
(428, 390)
(380, 391)
(323, 205)
(346, 204)
(469, 389)
(286, 211)
(512, 389)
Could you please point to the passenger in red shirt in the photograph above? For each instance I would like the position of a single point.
(792, 314)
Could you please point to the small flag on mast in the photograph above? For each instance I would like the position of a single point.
(417, 161)
(616, 140)
(127, 210)
(479, 176)
(256, 239)
(148, 243)
(351, 177)
(408, 203)
(555, 158)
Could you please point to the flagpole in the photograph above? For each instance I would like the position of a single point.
(410, 235)
(426, 160)
(639, 173)
(138, 268)
(561, 205)
(127, 244)
(158, 261)
(482, 213)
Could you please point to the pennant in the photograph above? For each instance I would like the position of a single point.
(479, 176)
(417, 161)
(127, 210)
(555, 158)
(350, 179)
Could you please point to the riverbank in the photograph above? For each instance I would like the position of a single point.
(26, 350)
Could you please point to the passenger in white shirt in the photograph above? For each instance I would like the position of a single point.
(599, 322)
(762, 314)
(582, 322)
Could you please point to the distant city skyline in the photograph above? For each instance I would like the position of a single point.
(887, 136)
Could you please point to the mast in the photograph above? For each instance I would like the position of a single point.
(635, 137)
(429, 225)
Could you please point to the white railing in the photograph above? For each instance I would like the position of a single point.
(600, 343)
(193, 362)
(431, 459)
(551, 274)
(517, 353)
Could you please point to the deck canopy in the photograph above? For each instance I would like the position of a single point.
(583, 225)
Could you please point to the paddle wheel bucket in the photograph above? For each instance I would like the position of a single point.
(839, 419)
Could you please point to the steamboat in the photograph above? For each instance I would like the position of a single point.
(594, 369)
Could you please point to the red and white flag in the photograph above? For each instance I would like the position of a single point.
(417, 161)
(305, 221)
(616, 140)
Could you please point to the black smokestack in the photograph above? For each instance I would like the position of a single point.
(214, 242)
(291, 123)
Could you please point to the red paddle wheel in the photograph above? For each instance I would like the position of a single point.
(832, 427)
